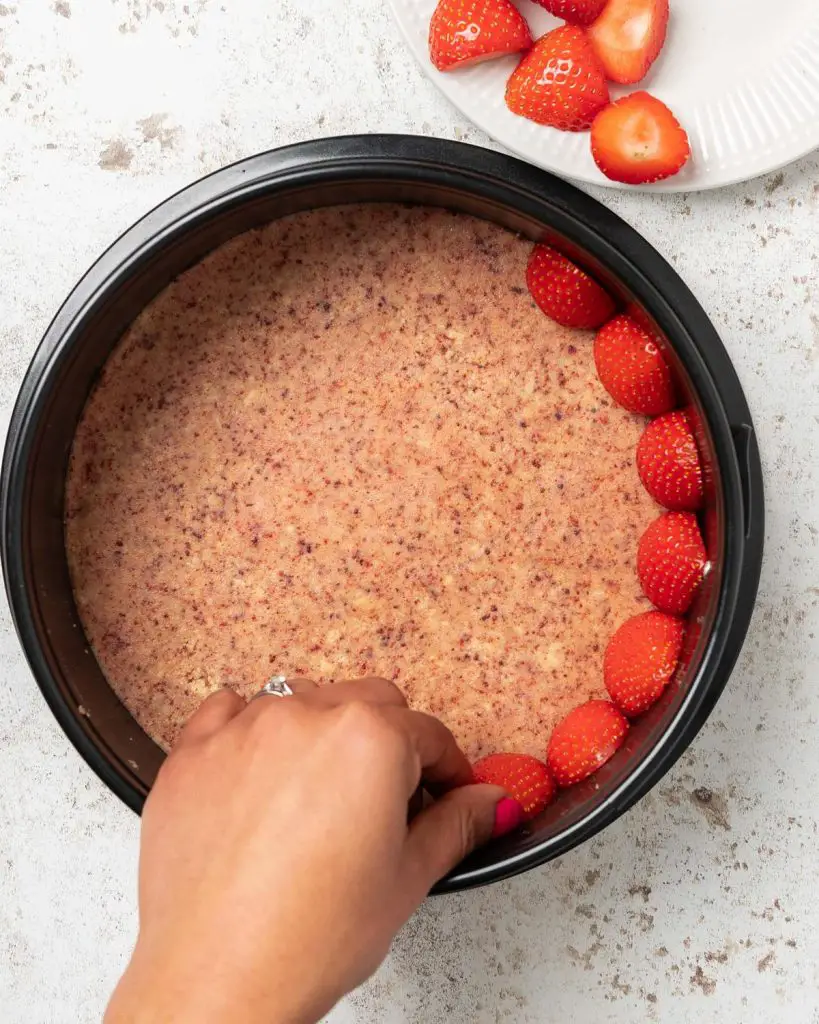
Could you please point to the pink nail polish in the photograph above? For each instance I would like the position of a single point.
(508, 815)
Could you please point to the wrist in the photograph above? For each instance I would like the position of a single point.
(163, 992)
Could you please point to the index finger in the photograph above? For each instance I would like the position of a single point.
(212, 715)
(439, 761)
(371, 689)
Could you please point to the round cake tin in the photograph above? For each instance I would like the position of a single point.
(363, 169)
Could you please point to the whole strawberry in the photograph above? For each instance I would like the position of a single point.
(523, 777)
(576, 12)
(585, 739)
(640, 660)
(466, 32)
(565, 292)
(671, 562)
(669, 463)
(632, 368)
(559, 82)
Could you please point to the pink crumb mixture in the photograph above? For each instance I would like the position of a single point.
(350, 444)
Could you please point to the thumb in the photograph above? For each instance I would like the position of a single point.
(451, 828)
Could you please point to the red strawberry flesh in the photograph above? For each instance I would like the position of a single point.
(523, 777)
(559, 82)
(628, 37)
(564, 292)
(575, 12)
(632, 368)
(640, 660)
(586, 738)
(669, 463)
(672, 562)
(638, 140)
(467, 32)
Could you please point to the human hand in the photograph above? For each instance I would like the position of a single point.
(277, 860)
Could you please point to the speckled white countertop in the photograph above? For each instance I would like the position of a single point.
(701, 903)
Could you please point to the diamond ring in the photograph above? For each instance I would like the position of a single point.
(275, 687)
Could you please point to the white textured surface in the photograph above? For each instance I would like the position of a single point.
(693, 906)
(746, 89)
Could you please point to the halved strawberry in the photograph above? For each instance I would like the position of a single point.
(636, 312)
(632, 369)
(672, 561)
(628, 37)
(701, 438)
(586, 738)
(522, 776)
(576, 12)
(669, 463)
(466, 32)
(640, 660)
(559, 82)
(638, 140)
(565, 292)
(711, 531)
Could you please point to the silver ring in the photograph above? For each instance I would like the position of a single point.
(275, 687)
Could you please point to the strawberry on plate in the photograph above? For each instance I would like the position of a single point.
(669, 463)
(564, 292)
(559, 82)
(628, 37)
(576, 12)
(466, 32)
(523, 777)
(632, 369)
(637, 140)
(672, 562)
(586, 738)
(640, 660)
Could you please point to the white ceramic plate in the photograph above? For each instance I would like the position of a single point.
(742, 76)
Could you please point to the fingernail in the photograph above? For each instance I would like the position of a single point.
(508, 815)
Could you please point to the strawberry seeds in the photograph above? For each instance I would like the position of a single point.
(562, 79)
(642, 656)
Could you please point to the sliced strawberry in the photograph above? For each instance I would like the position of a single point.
(669, 464)
(565, 292)
(466, 32)
(559, 82)
(632, 369)
(671, 562)
(628, 37)
(576, 12)
(585, 739)
(638, 140)
(701, 438)
(523, 777)
(711, 531)
(640, 660)
(637, 313)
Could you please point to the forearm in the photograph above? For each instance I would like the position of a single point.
(213, 993)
